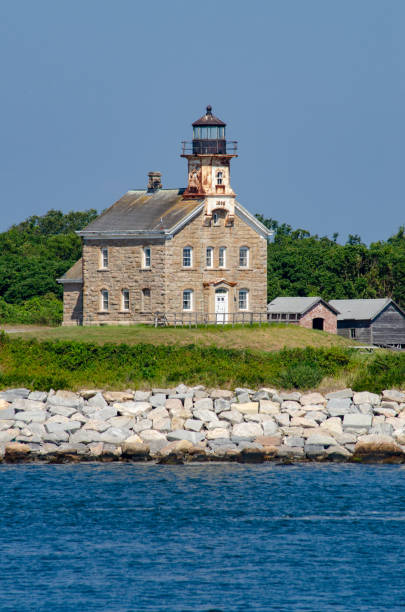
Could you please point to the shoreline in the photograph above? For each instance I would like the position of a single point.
(185, 425)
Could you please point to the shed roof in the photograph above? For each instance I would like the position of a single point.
(361, 310)
(296, 305)
(74, 274)
(142, 210)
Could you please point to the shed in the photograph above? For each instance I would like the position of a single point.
(309, 312)
(375, 321)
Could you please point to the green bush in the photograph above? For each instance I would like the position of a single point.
(300, 376)
(382, 371)
(44, 310)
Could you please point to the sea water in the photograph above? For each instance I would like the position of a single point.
(221, 537)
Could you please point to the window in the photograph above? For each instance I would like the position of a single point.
(104, 299)
(219, 177)
(187, 257)
(222, 257)
(244, 257)
(125, 299)
(146, 257)
(187, 299)
(146, 299)
(353, 333)
(243, 299)
(217, 215)
(209, 257)
(104, 257)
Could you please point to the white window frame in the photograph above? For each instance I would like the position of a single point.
(244, 260)
(147, 257)
(244, 292)
(105, 300)
(190, 293)
(187, 258)
(222, 257)
(209, 257)
(104, 257)
(125, 299)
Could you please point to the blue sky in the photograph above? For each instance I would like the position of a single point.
(95, 94)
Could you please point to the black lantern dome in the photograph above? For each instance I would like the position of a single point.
(209, 134)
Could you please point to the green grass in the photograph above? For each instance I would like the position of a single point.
(271, 337)
(72, 365)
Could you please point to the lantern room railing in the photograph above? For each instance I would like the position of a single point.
(209, 147)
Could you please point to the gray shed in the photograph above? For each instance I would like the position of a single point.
(379, 321)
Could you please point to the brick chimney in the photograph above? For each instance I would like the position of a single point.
(154, 181)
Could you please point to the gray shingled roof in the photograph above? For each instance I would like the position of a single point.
(295, 305)
(74, 274)
(144, 211)
(359, 310)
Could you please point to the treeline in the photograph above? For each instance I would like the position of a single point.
(34, 253)
(303, 264)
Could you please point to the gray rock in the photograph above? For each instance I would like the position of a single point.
(243, 397)
(37, 429)
(294, 441)
(338, 406)
(12, 394)
(180, 434)
(142, 425)
(222, 405)
(385, 429)
(233, 416)
(269, 427)
(26, 405)
(193, 424)
(58, 427)
(115, 435)
(181, 388)
(31, 416)
(314, 451)
(97, 401)
(343, 394)
(200, 393)
(7, 424)
(56, 436)
(121, 421)
(317, 416)
(290, 397)
(9, 435)
(205, 415)
(246, 444)
(142, 396)
(337, 453)
(38, 396)
(157, 413)
(132, 408)
(162, 424)
(86, 436)
(157, 400)
(320, 439)
(247, 431)
(357, 421)
(260, 395)
(7, 413)
(204, 404)
(290, 452)
(345, 438)
(365, 408)
(62, 410)
(105, 413)
(65, 398)
(366, 398)
(392, 395)
(283, 419)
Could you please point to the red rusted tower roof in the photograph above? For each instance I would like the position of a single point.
(208, 119)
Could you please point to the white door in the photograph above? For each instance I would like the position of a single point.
(221, 305)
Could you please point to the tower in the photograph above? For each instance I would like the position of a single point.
(209, 163)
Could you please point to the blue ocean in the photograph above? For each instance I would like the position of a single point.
(219, 537)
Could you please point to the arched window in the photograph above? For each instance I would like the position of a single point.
(188, 299)
(222, 257)
(244, 257)
(209, 257)
(104, 258)
(146, 257)
(218, 216)
(104, 300)
(220, 176)
(125, 299)
(146, 299)
(187, 257)
(243, 299)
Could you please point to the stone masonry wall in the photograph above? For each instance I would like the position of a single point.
(124, 271)
(329, 318)
(199, 237)
(72, 303)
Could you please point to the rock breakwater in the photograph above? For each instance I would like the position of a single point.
(186, 424)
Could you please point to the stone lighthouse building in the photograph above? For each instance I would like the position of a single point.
(192, 255)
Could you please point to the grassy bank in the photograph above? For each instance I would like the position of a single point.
(71, 365)
(266, 337)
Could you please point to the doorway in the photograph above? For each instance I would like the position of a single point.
(221, 305)
(317, 323)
